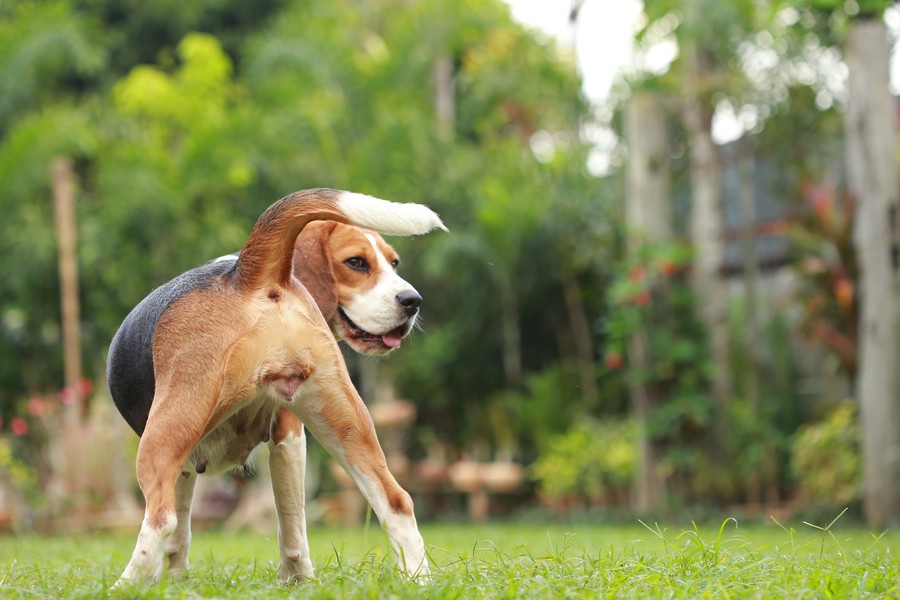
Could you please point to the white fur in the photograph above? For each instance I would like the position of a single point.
(287, 464)
(147, 561)
(401, 530)
(391, 218)
(377, 310)
(179, 544)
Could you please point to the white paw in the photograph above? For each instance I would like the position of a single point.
(295, 570)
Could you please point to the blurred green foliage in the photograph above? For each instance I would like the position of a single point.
(825, 458)
(592, 463)
(185, 120)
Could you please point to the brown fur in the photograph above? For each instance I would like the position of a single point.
(320, 250)
(228, 359)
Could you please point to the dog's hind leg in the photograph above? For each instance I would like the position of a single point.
(179, 544)
(165, 445)
(337, 417)
(287, 465)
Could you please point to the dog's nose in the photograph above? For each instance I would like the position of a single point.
(410, 301)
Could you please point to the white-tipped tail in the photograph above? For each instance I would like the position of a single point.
(390, 218)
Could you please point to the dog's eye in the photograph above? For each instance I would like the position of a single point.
(395, 263)
(357, 263)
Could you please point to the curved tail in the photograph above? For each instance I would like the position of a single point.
(268, 255)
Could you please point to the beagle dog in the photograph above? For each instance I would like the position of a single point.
(237, 352)
(352, 275)
(353, 271)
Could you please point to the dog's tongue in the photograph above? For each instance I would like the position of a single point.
(392, 339)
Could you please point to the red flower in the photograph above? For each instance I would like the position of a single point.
(637, 274)
(84, 387)
(642, 298)
(18, 426)
(66, 396)
(613, 360)
(668, 267)
(36, 406)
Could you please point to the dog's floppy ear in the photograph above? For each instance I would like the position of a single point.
(312, 266)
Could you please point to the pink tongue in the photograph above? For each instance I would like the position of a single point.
(392, 339)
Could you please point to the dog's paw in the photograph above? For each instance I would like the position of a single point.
(295, 569)
(422, 575)
(178, 562)
(178, 571)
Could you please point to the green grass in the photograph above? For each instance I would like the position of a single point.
(489, 561)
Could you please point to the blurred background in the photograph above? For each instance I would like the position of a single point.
(670, 223)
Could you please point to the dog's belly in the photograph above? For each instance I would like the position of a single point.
(229, 445)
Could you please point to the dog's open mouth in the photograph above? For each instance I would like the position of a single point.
(386, 341)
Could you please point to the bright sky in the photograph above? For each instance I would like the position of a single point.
(603, 44)
(603, 47)
(603, 41)
(603, 36)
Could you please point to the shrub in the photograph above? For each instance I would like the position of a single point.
(825, 458)
(594, 462)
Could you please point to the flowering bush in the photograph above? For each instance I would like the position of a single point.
(651, 298)
(25, 437)
(658, 346)
(826, 269)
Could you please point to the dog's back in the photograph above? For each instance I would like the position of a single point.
(130, 362)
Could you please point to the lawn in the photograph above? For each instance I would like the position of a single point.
(505, 560)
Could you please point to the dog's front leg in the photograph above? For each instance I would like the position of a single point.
(180, 542)
(338, 418)
(287, 465)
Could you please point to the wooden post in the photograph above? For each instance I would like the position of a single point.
(64, 212)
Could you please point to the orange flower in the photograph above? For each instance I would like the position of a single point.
(613, 360)
(843, 291)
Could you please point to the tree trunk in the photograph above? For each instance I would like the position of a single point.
(872, 177)
(707, 232)
(649, 486)
(444, 95)
(581, 334)
(648, 217)
(750, 379)
(750, 261)
(512, 336)
(648, 207)
(65, 477)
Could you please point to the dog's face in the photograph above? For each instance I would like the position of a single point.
(352, 275)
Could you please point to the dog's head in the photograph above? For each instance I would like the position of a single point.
(351, 273)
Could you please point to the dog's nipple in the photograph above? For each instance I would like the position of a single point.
(201, 465)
